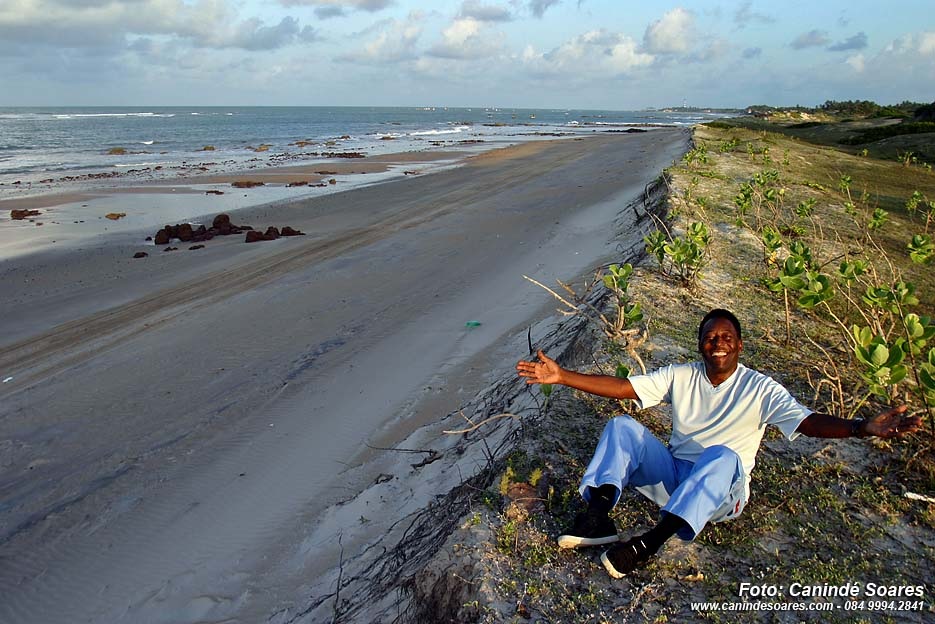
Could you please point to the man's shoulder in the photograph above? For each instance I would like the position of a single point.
(677, 368)
(751, 376)
(680, 373)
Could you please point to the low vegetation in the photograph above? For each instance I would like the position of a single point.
(826, 254)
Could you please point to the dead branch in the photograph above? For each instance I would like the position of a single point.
(474, 427)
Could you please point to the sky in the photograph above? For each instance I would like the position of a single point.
(583, 54)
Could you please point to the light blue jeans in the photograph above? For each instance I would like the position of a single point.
(711, 489)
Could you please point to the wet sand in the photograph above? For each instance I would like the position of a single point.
(176, 431)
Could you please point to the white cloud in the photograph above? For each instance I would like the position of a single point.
(539, 7)
(857, 63)
(857, 42)
(109, 24)
(388, 41)
(467, 38)
(624, 56)
(598, 52)
(485, 12)
(905, 67)
(745, 15)
(673, 34)
(811, 39)
(927, 43)
(912, 44)
(251, 34)
(336, 8)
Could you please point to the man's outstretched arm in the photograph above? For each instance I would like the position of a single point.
(547, 371)
(887, 424)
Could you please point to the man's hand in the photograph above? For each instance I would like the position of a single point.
(891, 423)
(545, 371)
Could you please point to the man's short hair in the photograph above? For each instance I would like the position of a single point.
(719, 313)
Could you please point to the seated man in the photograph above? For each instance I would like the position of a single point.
(720, 410)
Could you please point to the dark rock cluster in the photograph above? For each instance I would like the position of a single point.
(271, 233)
(221, 226)
(18, 215)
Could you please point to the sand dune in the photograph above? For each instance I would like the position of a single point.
(177, 428)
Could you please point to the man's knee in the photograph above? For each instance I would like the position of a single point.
(625, 425)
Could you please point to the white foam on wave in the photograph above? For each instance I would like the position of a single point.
(456, 130)
(142, 164)
(91, 115)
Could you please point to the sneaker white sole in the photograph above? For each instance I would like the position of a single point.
(611, 570)
(573, 541)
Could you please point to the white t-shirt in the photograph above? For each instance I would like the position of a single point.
(734, 414)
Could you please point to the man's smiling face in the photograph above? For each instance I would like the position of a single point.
(720, 349)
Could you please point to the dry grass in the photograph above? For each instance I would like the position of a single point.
(822, 511)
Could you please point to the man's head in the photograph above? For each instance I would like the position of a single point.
(720, 344)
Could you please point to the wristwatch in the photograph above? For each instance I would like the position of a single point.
(857, 428)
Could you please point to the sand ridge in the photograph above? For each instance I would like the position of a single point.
(175, 427)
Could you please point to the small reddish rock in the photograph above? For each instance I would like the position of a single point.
(140, 254)
(253, 237)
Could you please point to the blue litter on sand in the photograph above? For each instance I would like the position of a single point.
(472, 324)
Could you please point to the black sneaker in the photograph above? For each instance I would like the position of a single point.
(590, 529)
(621, 559)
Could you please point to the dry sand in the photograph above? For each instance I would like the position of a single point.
(176, 431)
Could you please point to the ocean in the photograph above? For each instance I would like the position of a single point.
(79, 146)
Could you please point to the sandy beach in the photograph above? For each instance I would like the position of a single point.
(181, 434)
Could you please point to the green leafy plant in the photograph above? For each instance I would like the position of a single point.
(697, 154)
(655, 245)
(806, 207)
(682, 256)
(912, 204)
(877, 220)
(921, 249)
(882, 361)
(772, 243)
(927, 378)
(617, 280)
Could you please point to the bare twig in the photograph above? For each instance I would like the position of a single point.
(401, 450)
(474, 427)
(337, 591)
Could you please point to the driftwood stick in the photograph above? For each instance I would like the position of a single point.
(480, 424)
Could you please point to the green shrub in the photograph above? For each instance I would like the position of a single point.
(884, 132)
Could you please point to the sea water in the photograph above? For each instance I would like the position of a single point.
(45, 147)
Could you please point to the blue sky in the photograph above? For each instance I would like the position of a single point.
(603, 54)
